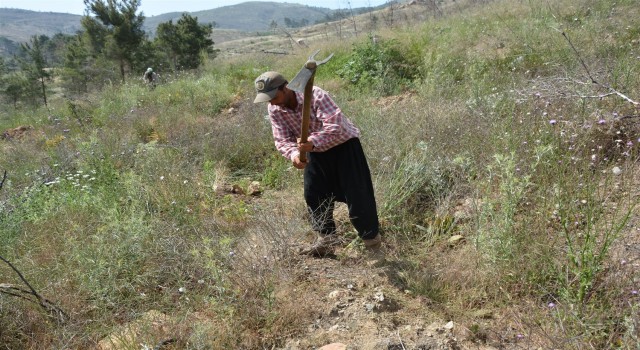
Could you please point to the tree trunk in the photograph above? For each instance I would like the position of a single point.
(122, 70)
(44, 92)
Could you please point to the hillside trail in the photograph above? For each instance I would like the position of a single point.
(357, 304)
(362, 308)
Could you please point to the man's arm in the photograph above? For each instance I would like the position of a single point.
(331, 127)
(284, 139)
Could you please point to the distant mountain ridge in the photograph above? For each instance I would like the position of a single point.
(250, 16)
(19, 25)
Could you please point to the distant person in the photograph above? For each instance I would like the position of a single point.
(150, 78)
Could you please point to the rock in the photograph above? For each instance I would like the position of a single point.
(449, 325)
(16, 132)
(455, 240)
(483, 313)
(334, 346)
(466, 209)
(129, 336)
(255, 189)
(337, 294)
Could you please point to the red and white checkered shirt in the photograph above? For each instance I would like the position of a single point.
(328, 126)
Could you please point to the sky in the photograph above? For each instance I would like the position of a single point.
(157, 7)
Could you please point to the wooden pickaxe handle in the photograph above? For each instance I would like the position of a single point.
(306, 107)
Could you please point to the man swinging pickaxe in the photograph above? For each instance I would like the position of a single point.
(311, 130)
(303, 82)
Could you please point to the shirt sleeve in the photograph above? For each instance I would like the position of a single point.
(285, 140)
(334, 127)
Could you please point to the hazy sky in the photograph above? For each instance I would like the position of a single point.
(157, 7)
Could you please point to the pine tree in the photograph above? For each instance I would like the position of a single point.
(77, 66)
(186, 40)
(14, 86)
(115, 31)
(35, 66)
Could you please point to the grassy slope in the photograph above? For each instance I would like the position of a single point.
(498, 141)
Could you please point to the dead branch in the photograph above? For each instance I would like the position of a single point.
(163, 343)
(275, 52)
(46, 304)
(630, 116)
(12, 290)
(4, 177)
(291, 39)
(597, 96)
(584, 65)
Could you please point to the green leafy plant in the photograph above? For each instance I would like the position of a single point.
(379, 67)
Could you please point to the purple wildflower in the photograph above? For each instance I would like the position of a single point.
(551, 305)
(601, 121)
(553, 122)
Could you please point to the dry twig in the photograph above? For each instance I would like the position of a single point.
(584, 65)
(4, 177)
(46, 304)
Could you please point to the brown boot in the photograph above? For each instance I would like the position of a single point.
(323, 245)
(375, 253)
(374, 243)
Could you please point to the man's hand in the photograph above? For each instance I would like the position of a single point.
(305, 147)
(297, 163)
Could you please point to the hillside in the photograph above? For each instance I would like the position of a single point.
(281, 41)
(504, 146)
(239, 28)
(19, 25)
(251, 16)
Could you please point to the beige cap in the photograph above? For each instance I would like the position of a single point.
(267, 85)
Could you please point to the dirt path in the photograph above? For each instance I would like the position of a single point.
(363, 308)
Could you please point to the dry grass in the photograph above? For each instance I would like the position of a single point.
(495, 140)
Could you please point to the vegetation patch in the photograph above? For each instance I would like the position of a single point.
(503, 142)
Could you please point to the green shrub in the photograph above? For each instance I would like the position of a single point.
(381, 67)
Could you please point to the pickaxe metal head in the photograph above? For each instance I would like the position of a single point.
(308, 70)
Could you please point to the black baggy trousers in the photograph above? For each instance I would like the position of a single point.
(341, 174)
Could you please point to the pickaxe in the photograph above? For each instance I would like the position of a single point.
(303, 82)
